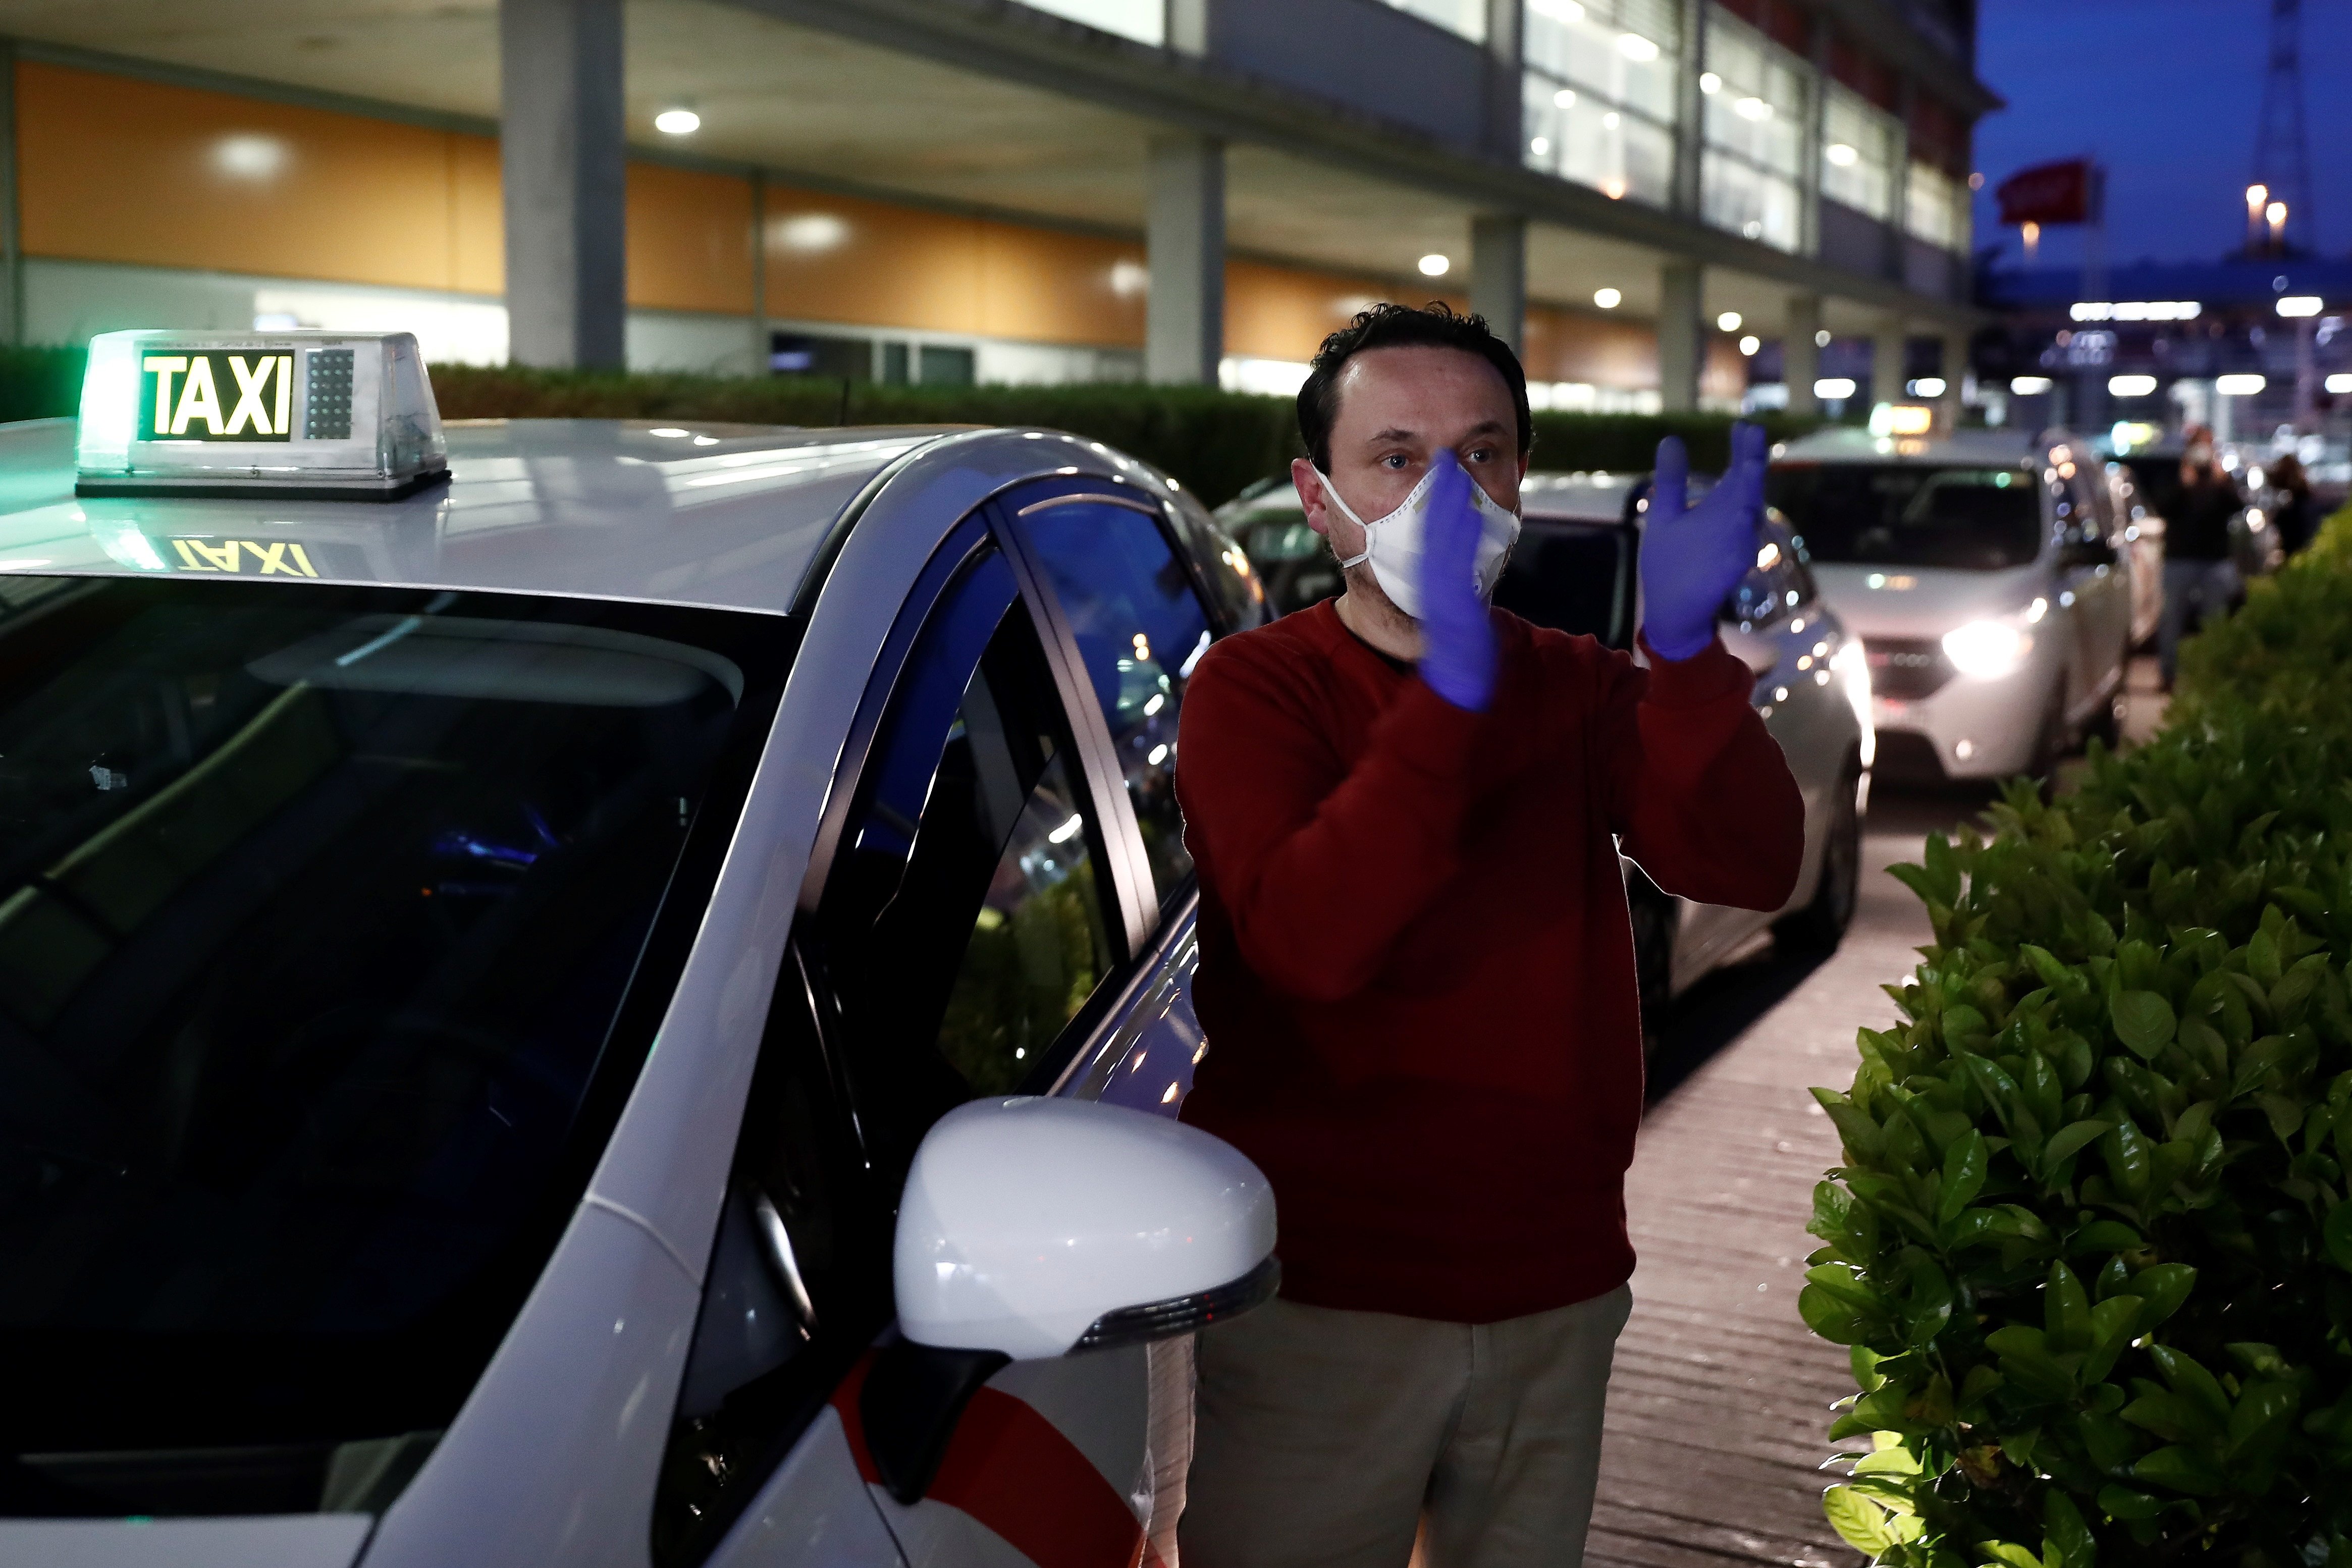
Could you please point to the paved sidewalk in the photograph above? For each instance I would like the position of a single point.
(1720, 1397)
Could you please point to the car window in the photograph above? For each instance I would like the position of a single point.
(962, 926)
(1572, 578)
(1232, 582)
(331, 918)
(1291, 559)
(796, 1288)
(1982, 520)
(1139, 629)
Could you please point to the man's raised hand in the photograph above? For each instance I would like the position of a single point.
(1458, 654)
(1693, 557)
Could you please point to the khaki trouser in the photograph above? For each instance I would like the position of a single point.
(1322, 1437)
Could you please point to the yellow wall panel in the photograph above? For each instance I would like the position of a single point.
(478, 221)
(1049, 287)
(841, 258)
(1567, 346)
(1285, 313)
(690, 239)
(116, 169)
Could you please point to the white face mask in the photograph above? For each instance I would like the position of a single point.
(1394, 544)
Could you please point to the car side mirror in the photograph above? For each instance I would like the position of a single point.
(1039, 1227)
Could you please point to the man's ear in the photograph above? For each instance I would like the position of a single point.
(1310, 496)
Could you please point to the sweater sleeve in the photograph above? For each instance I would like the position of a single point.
(1697, 789)
(1317, 879)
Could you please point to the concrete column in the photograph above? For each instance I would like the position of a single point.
(561, 155)
(1507, 115)
(1185, 318)
(1682, 336)
(1187, 26)
(762, 348)
(12, 228)
(1888, 347)
(1499, 274)
(1690, 110)
(1801, 356)
(1956, 373)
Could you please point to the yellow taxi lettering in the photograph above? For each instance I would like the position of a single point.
(252, 385)
(166, 367)
(215, 557)
(301, 556)
(187, 556)
(286, 399)
(273, 559)
(198, 400)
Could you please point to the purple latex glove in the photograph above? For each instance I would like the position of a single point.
(1693, 557)
(1458, 636)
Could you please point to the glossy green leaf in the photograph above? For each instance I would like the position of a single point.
(1859, 1521)
(2071, 1139)
(2337, 1233)
(2123, 1502)
(2067, 1531)
(1964, 1176)
(2183, 1470)
(2143, 1021)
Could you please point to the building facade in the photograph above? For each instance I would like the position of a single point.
(1643, 193)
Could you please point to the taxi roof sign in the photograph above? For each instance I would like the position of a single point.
(301, 414)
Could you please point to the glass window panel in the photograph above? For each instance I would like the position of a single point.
(1737, 195)
(1858, 145)
(1936, 207)
(1468, 17)
(1624, 55)
(1145, 21)
(1580, 137)
(1140, 629)
(1757, 109)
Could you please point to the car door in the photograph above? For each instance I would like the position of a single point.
(2091, 593)
(1768, 622)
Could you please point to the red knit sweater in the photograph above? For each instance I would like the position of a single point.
(1416, 969)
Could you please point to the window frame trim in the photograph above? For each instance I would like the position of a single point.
(1128, 863)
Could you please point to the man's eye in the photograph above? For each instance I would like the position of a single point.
(1393, 461)
(1480, 455)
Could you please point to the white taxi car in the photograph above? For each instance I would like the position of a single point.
(592, 992)
(1988, 574)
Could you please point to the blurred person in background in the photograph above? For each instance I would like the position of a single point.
(2200, 578)
(2294, 510)
(1416, 964)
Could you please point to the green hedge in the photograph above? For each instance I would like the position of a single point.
(1215, 442)
(2091, 1245)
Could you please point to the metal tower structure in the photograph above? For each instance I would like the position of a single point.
(2282, 146)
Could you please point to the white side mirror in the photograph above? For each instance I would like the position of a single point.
(1033, 1228)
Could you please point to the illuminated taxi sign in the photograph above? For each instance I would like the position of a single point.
(1901, 419)
(276, 414)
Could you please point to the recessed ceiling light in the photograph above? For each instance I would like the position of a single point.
(678, 122)
(1434, 266)
(1607, 298)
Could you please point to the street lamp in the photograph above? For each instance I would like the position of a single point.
(2255, 196)
(2277, 214)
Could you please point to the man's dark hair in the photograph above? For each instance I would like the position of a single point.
(1386, 326)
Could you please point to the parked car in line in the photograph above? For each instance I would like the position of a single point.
(1990, 576)
(593, 991)
(1576, 570)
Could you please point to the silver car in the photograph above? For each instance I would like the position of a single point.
(1576, 568)
(476, 970)
(1991, 578)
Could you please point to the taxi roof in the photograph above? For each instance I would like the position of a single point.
(1849, 444)
(727, 516)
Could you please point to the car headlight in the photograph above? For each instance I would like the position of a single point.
(1988, 648)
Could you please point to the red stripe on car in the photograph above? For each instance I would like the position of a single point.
(1013, 1471)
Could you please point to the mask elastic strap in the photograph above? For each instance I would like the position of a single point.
(1331, 493)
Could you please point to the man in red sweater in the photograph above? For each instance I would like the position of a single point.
(1417, 971)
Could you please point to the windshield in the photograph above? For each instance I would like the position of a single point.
(1290, 559)
(1977, 519)
(1573, 580)
(333, 925)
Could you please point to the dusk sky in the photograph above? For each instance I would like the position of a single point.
(2166, 94)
